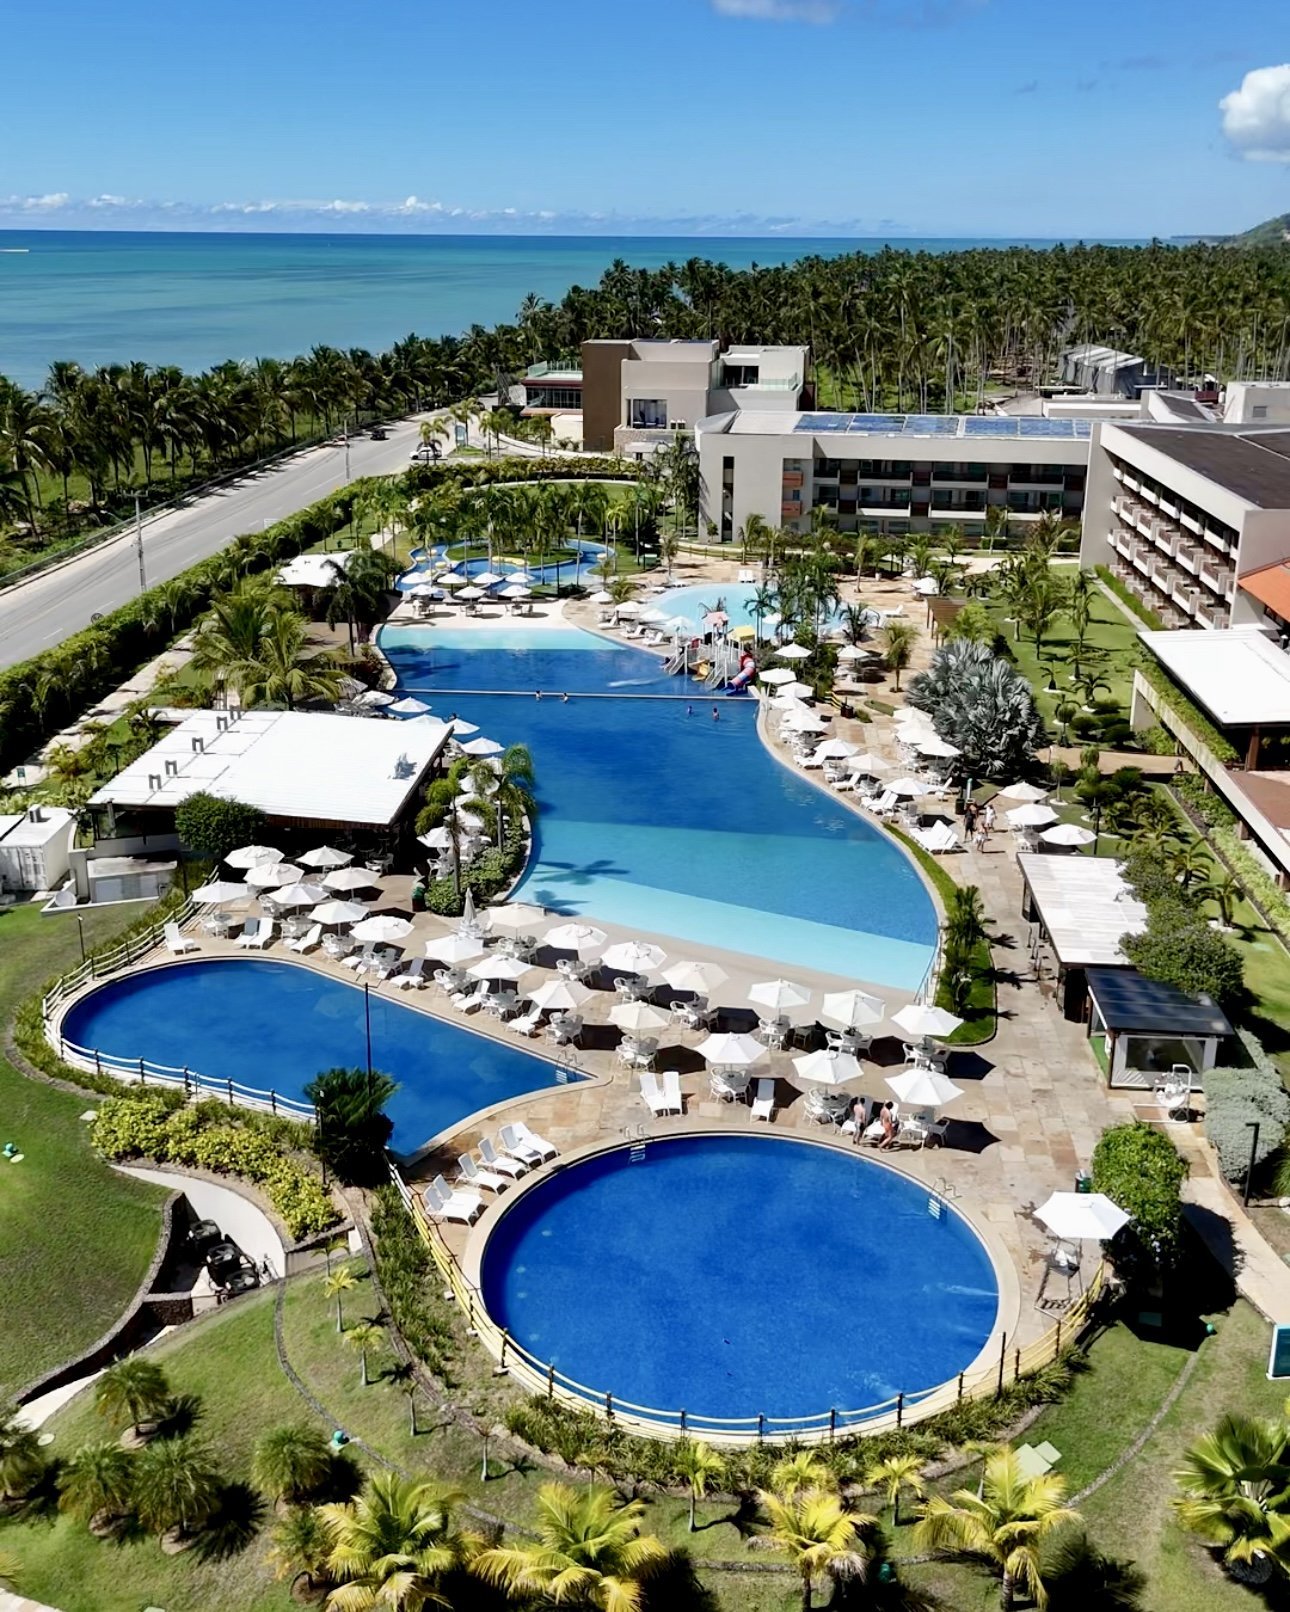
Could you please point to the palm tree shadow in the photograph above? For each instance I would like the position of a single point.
(343, 1481)
(676, 1587)
(558, 875)
(238, 1518)
(185, 1413)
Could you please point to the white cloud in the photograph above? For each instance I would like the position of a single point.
(53, 203)
(1256, 118)
(812, 11)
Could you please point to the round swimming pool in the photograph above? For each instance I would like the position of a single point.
(737, 1276)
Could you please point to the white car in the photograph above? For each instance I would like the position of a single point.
(425, 454)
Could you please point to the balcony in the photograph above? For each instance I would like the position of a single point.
(1184, 595)
(1149, 493)
(1121, 541)
(955, 475)
(1190, 521)
(1219, 578)
(1169, 504)
(1189, 557)
(1214, 616)
(1131, 481)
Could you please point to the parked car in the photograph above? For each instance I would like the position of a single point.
(426, 453)
(223, 1261)
(378, 433)
(202, 1234)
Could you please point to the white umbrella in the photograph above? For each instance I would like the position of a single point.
(471, 592)
(731, 1050)
(934, 745)
(779, 995)
(339, 912)
(436, 839)
(854, 652)
(911, 787)
(299, 895)
(804, 721)
(498, 967)
(521, 578)
(1024, 792)
(560, 995)
(1081, 1216)
(469, 788)
(409, 706)
(851, 1010)
(924, 1088)
(488, 579)
(582, 939)
(922, 1019)
(515, 590)
(452, 579)
(454, 948)
(469, 922)
(793, 652)
(776, 674)
(638, 1017)
(631, 608)
(251, 856)
(351, 879)
(602, 596)
(221, 891)
(1068, 834)
(653, 615)
(701, 978)
(517, 918)
(374, 698)
(867, 763)
(1035, 816)
(272, 875)
(482, 747)
(927, 586)
(797, 691)
(382, 926)
(459, 725)
(835, 750)
(326, 856)
(828, 1068)
(634, 956)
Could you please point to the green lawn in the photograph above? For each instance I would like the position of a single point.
(75, 1237)
(1109, 630)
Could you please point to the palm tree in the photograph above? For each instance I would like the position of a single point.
(291, 1462)
(177, 1488)
(900, 638)
(282, 672)
(802, 1470)
(1236, 1495)
(10, 1570)
(590, 1552)
(1007, 1523)
(97, 1485)
(393, 1545)
(818, 1535)
(301, 1549)
(893, 1476)
(21, 1460)
(1223, 888)
(133, 1392)
(335, 1286)
(699, 1464)
(364, 1335)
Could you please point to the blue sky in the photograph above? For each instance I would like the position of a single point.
(874, 117)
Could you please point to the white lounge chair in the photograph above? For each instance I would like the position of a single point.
(504, 1163)
(306, 942)
(672, 1091)
(445, 1204)
(360, 960)
(413, 974)
(258, 933)
(763, 1103)
(521, 1146)
(472, 1000)
(525, 1023)
(176, 941)
(652, 1093)
(469, 1172)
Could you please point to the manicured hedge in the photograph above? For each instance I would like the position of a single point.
(1145, 614)
(1236, 1099)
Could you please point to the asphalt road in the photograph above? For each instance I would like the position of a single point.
(50, 607)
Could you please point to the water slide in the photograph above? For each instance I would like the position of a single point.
(747, 671)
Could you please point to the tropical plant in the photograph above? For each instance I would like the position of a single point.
(283, 671)
(1079, 1578)
(291, 1463)
(212, 825)
(589, 1552)
(177, 1487)
(394, 1545)
(974, 622)
(1008, 1524)
(22, 1462)
(981, 704)
(893, 1476)
(10, 1570)
(97, 1485)
(817, 1534)
(340, 1281)
(351, 1125)
(1139, 1169)
(301, 1549)
(1235, 1485)
(133, 1393)
(899, 638)
(700, 1465)
(364, 1335)
(1224, 889)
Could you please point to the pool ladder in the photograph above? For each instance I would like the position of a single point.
(636, 1136)
(943, 1193)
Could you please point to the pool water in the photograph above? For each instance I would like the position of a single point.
(566, 571)
(741, 1275)
(656, 817)
(276, 1025)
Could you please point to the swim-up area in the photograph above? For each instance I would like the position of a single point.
(649, 1275)
(656, 817)
(276, 1025)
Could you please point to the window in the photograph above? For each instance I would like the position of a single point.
(647, 413)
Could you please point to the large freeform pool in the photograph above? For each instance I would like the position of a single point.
(277, 1025)
(656, 817)
(735, 1276)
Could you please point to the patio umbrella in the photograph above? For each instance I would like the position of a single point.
(910, 787)
(922, 1019)
(1068, 834)
(793, 652)
(251, 856)
(469, 788)
(339, 912)
(631, 608)
(375, 698)
(453, 579)
(804, 721)
(927, 586)
(326, 856)
(496, 967)
(1035, 816)
(828, 1068)
(469, 922)
(634, 956)
(482, 747)
(638, 1017)
(776, 674)
(934, 745)
(436, 839)
(701, 978)
(409, 706)
(221, 891)
(1081, 1216)
(731, 1051)
(382, 926)
(515, 590)
(560, 996)
(797, 691)
(852, 1010)
(522, 579)
(516, 918)
(471, 592)
(351, 879)
(602, 596)
(299, 895)
(488, 579)
(835, 750)
(581, 939)
(779, 995)
(854, 652)
(653, 615)
(867, 763)
(273, 875)
(459, 725)
(1024, 792)
(924, 1088)
(454, 948)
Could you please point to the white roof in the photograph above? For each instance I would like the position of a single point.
(314, 570)
(28, 830)
(1238, 674)
(1103, 356)
(327, 768)
(1085, 905)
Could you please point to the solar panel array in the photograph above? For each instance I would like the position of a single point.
(944, 425)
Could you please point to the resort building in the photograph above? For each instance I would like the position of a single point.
(34, 848)
(1110, 373)
(887, 472)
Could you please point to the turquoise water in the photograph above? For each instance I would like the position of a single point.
(657, 817)
(108, 297)
(735, 598)
(649, 1280)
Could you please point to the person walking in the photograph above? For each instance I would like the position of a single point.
(988, 818)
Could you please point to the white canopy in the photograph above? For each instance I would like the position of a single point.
(779, 995)
(638, 1017)
(515, 590)
(923, 1019)
(828, 1068)
(793, 652)
(797, 691)
(436, 839)
(1081, 1216)
(376, 697)
(251, 856)
(409, 705)
(560, 995)
(934, 745)
(325, 856)
(452, 579)
(471, 592)
(496, 966)
(455, 948)
(339, 912)
(350, 879)
(1068, 834)
(635, 956)
(298, 895)
(382, 926)
(836, 750)
(581, 939)
(488, 579)
(924, 1088)
(602, 596)
(272, 875)
(516, 918)
(701, 978)
(776, 674)
(731, 1050)
(1024, 792)
(1035, 816)
(482, 747)
(459, 725)
(221, 891)
(911, 787)
(852, 1010)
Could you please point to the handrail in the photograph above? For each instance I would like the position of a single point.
(544, 1377)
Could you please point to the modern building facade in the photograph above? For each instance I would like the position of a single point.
(1108, 373)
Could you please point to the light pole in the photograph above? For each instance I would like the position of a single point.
(345, 428)
(138, 543)
(367, 1024)
(80, 924)
(1251, 1125)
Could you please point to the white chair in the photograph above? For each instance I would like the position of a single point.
(502, 1163)
(524, 1143)
(470, 1173)
(471, 1001)
(652, 1094)
(176, 941)
(565, 1028)
(382, 964)
(360, 960)
(258, 937)
(672, 1091)
(306, 943)
(518, 1147)
(763, 1103)
(525, 1023)
(450, 1205)
(413, 974)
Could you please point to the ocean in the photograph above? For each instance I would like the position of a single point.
(101, 297)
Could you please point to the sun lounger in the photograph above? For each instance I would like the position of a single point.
(445, 1204)
(502, 1163)
(525, 1023)
(652, 1094)
(525, 1144)
(258, 933)
(413, 974)
(470, 1001)
(469, 1172)
(176, 941)
(306, 942)
(359, 960)
(672, 1091)
(763, 1103)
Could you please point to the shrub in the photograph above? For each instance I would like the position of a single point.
(1157, 742)
(1259, 885)
(352, 1127)
(1180, 949)
(406, 1273)
(213, 826)
(1237, 1098)
(1144, 613)
(1202, 801)
(1140, 1169)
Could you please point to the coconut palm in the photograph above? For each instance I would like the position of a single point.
(589, 1553)
(1236, 1495)
(335, 1285)
(133, 1393)
(700, 1465)
(21, 1460)
(393, 1546)
(283, 671)
(291, 1462)
(364, 1335)
(10, 1570)
(177, 1487)
(893, 1477)
(817, 1534)
(801, 1470)
(1223, 888)
(1007, 1524)
(97, 1485)
(301, 1549)
(900, 638)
